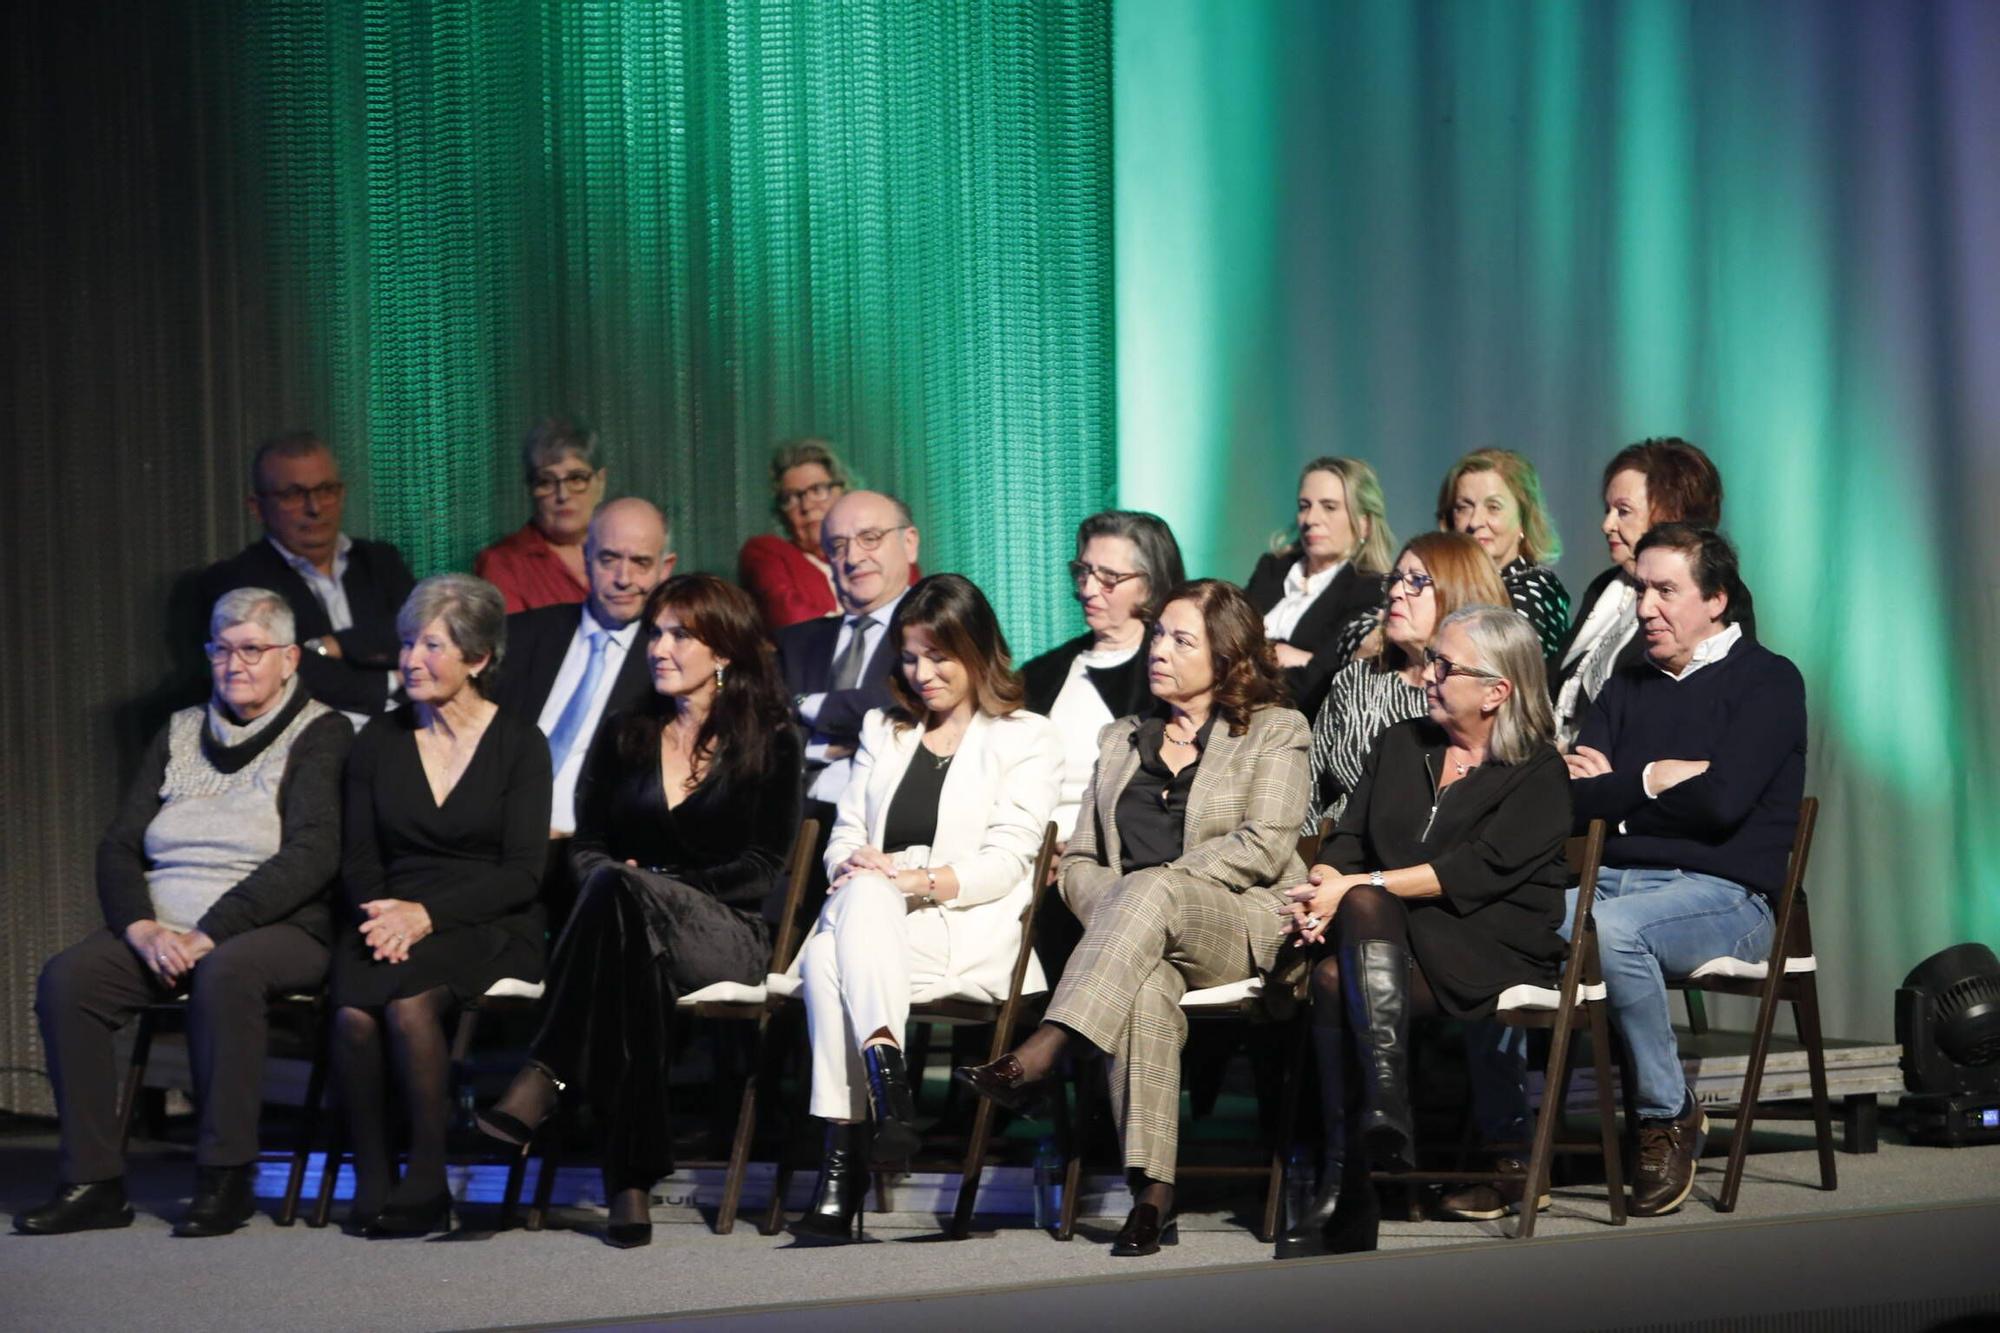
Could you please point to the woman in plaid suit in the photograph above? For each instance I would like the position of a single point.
(1188, 828)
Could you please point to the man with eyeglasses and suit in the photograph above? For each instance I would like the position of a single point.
(837, 667)
(344, 591)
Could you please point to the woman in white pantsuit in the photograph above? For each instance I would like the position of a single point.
(928, 870)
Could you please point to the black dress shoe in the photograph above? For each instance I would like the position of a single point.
(841, 1193)
(97, 1206)
(896, 1139)
(1003, 1083)
(225, 1198)
(411, 1219)
(1144, 1233)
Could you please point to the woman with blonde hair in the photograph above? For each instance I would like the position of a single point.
(1494, 497)
(1309, 591)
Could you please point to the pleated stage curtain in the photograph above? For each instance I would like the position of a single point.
(703, 225)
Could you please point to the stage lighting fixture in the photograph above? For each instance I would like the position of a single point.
(1948, 1020)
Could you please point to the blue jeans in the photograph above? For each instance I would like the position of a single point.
(1654, 924)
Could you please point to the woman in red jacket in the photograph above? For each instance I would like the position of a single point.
(787, 574)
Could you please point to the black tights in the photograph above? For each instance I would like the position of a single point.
(1365, 913)
(416, 1046)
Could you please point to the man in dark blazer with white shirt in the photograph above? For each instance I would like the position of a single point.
(548, 678)
(344, 591)
(838, 667)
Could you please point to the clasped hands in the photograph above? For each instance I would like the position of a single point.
(1309, 907)
(393, 927)
(1665, 774)
(873, 860)
(169, 954)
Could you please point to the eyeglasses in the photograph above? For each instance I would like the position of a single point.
(251, 653)
(572, 483)
(1107, 579)
(865, 540)
(819, 490)
(293, 497)
(1440, 668)
(1414, 583)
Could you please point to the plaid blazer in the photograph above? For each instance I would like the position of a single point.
(1242, 825)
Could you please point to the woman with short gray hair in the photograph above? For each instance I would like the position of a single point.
(213, 880)
(541, 562)
(447, 811)
(1440, 887)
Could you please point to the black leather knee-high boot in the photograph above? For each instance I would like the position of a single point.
(1375, 982)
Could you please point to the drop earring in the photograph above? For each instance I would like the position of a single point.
(718, 678)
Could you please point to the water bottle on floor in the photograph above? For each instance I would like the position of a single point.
(1299, 1171)
(1048, 1187)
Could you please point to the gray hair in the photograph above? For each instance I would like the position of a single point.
(473, 611)
(289, 444)
(552, 439)
(1509, 647)
(254, 606)
(1153, 547)
(799, 453)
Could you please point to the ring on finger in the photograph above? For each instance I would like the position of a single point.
(1312, 922)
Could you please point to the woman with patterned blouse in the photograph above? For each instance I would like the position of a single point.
(1436, 574)
(1494, 497)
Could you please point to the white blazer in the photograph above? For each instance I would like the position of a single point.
(996, 801)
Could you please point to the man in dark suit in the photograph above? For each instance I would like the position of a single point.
(837, 667)
(344, 591)
(569, 667)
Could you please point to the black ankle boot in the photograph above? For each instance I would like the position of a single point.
(225, 1198)
(1345, 1215)
(99, 1205)
(895, 1107)
(1375, 976)
(842, 1189)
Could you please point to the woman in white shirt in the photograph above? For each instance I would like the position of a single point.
(1309, 591)
(928, 867)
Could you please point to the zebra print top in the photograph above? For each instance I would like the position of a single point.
(1361, 704)
(1540, 596)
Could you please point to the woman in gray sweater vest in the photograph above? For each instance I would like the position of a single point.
(213, 881)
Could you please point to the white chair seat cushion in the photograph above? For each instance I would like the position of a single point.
(513, 988)
(724, 992)
(784, 985)
(1223, 997)
(1739, 970)
(1545, 997)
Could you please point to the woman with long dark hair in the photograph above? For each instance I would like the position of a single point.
(685, 810)
(929, 868)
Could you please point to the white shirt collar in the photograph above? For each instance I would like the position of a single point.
(1297, 581)
(342, 544)
(1710, 650)
(880, 615)
(622, 637)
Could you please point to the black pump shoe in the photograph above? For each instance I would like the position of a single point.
(225, 1197)
(841, 1193)
(1144, 1232)
(397, 1220)
(97, 1206)
(635, 1227)
(895, 1106)
(1375, 975)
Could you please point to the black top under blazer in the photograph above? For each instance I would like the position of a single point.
(728, 838)
(1124, 688)
(1319, 629)
(376, 582)
(1495, 838)
(537, 642)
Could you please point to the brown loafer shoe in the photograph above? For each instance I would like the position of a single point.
(1002, 1083)
(1490, 1203)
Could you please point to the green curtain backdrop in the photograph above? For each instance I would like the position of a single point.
(705, 225)
(1405, 230)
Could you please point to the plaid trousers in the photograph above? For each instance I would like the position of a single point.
(1153, 935)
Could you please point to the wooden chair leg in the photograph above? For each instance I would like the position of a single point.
(1805, 1016)
(336, 1148)
(739, 1144)
(1075, 1150)
(510, 1197)
(975, 1165)
(1753, 1087)
(1065, 1136)
(1555, 1082)
(295, 1179)
(135, 1076)
(1290, 1075)
(1607, 1119)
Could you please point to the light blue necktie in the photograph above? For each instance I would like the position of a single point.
(578, 707)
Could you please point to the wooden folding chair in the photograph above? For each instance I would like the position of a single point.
(1579, 993)
(1788, 976)
(310, 1007)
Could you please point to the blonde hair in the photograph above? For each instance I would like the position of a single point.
(1539, 542)
(1509, 647)
(1364, 497)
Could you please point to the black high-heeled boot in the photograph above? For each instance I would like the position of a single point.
(1345, 1216)
(1330, 1052)
(1375, 980)
(895, 1107)
(840, 1194)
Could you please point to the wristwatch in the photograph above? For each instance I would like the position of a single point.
(315, 644)
(1379, 880)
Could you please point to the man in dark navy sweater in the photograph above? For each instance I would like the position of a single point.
(1696, 760)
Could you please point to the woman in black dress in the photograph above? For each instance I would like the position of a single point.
(446, 827)
(1441, 886)
(685, 809)
(1322, 593)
